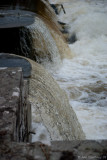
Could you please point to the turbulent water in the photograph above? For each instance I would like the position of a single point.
(84, 77)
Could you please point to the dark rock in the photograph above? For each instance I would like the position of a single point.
(64, 27)
(72, 38)
(55, 8)
(65, 31)
(61, 23)
(66, 155)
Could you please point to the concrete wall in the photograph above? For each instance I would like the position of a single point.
(15, 114)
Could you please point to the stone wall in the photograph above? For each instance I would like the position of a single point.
(72, 150)
(15, 114)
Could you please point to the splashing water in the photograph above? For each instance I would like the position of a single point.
(44, 48)
(84, 77)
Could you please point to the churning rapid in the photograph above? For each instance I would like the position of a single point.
(81, 71)
(84, 77)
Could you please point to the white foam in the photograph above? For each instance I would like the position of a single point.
(40, 133)
(85, 76)
(15, 94)
(2, 68)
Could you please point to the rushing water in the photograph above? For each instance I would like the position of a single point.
(84, 77)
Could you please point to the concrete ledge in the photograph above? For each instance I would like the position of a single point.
(72, 150)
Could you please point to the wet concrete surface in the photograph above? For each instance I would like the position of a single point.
(15, 18)
(12, 61)
(16, 13)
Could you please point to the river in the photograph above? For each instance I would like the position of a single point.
(84, 77)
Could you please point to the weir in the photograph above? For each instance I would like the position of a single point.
(15, 123)
(42, 41)
(53, 119)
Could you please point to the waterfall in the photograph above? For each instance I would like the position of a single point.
(82, 74)
(44, 47)
(42, 41)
